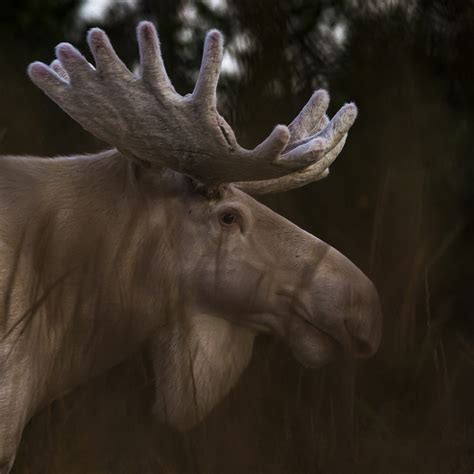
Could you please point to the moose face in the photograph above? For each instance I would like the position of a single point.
(247, 264)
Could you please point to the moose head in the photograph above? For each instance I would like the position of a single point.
(209, 267)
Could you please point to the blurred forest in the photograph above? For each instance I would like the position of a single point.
(399, 202)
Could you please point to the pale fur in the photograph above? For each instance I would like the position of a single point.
(101, 258)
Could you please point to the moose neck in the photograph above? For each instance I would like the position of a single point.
(90, 243)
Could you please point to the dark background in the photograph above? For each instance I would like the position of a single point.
(399, 202)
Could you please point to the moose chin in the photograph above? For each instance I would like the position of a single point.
(158, 244)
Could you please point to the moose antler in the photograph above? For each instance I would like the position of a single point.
(147, 120)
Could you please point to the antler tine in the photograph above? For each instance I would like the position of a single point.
(309, 117)
(57, 67)
(76, 66)
(274, 144)
(106, 60)
(153, 69)
(206, 84)
(51, 83)
(147, 121)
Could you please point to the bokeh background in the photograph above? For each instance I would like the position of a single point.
(399, 202)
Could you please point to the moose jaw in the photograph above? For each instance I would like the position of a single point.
(158, 245)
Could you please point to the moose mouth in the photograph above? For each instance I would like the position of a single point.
(320, 331)
(312, 346)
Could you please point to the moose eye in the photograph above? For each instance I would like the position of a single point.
(228, 218)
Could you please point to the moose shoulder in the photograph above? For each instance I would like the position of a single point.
(158, 243)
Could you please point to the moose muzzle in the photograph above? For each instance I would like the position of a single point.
(337, 310)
